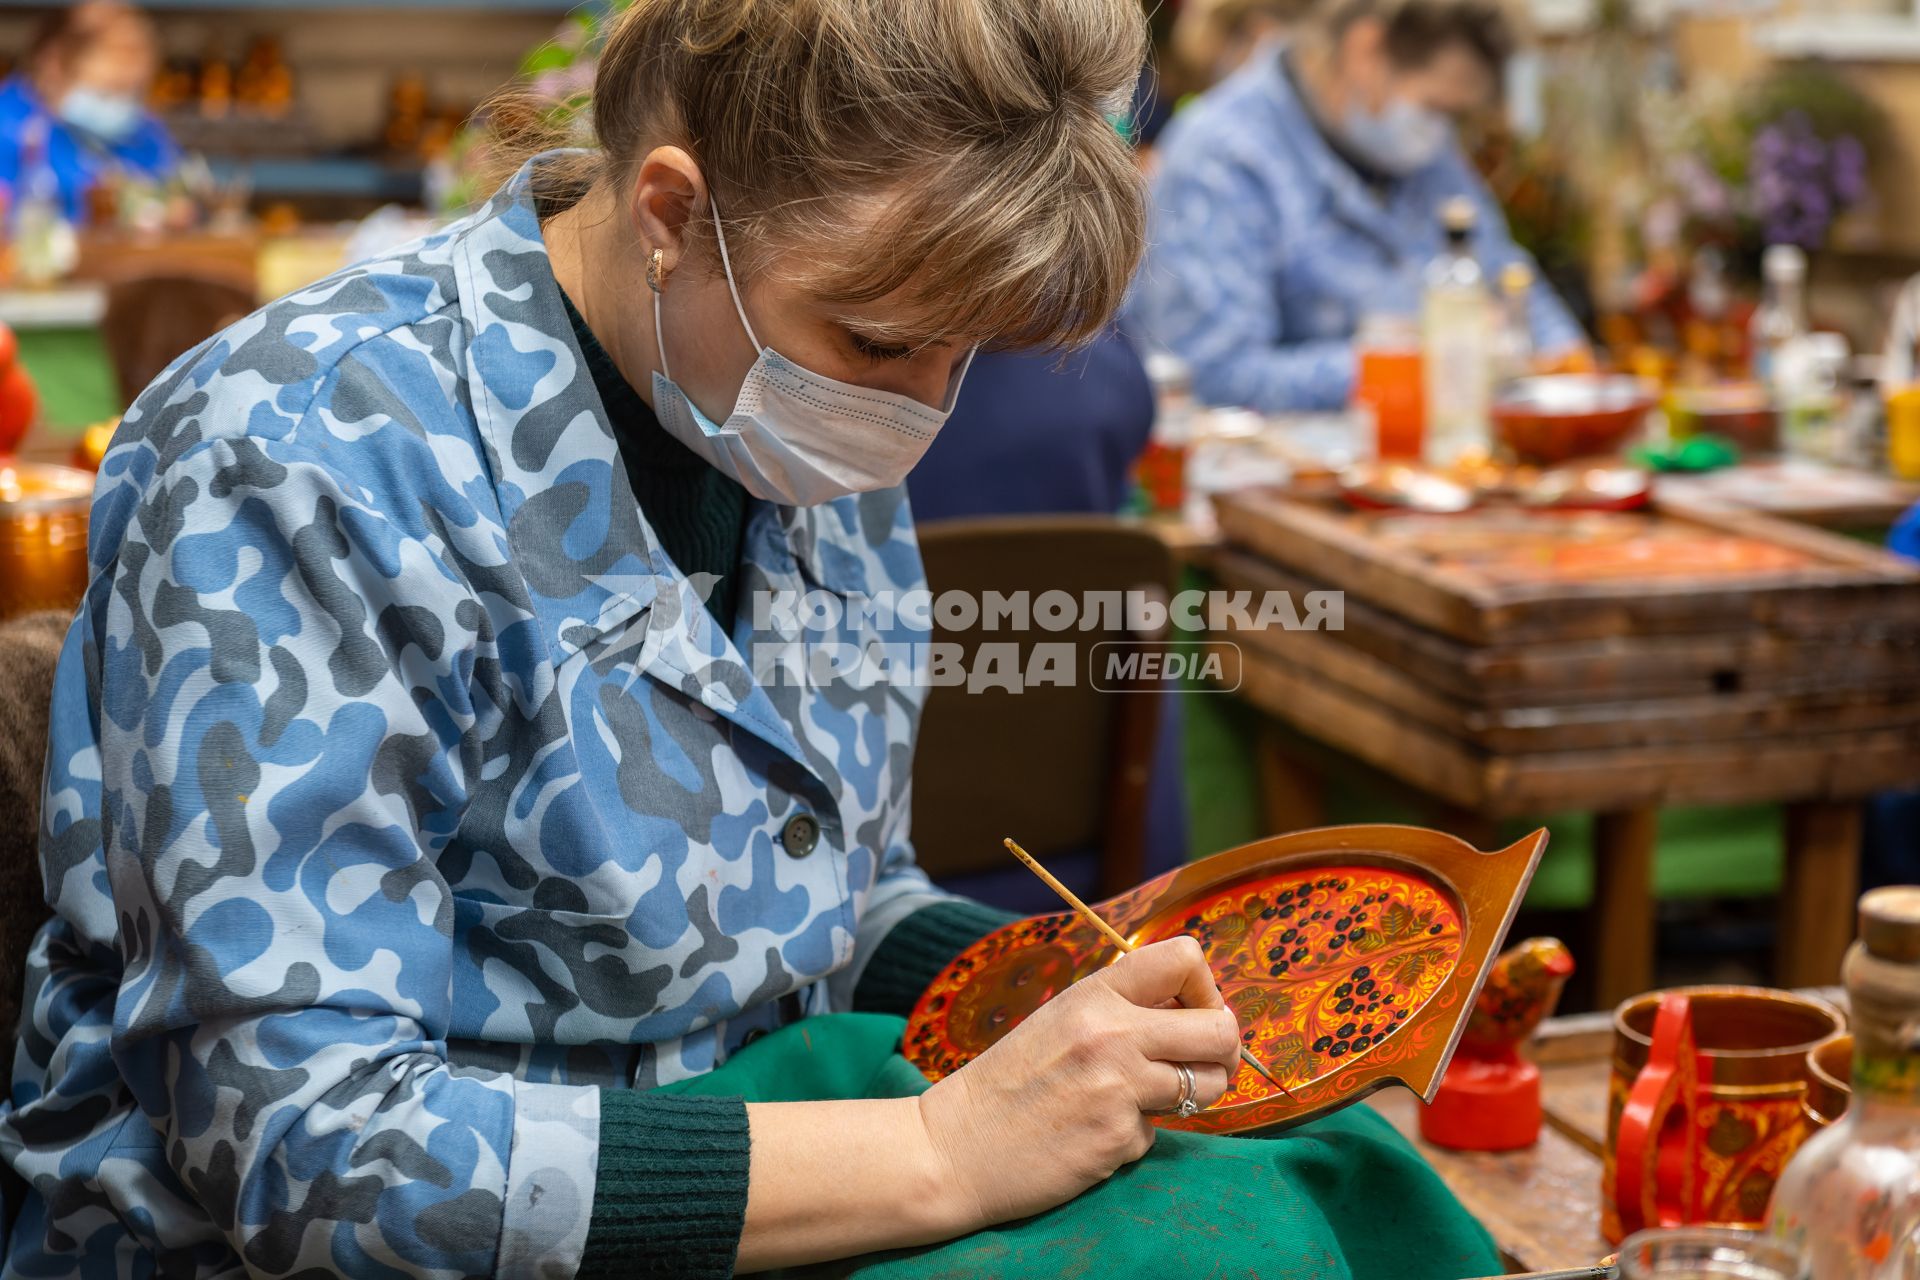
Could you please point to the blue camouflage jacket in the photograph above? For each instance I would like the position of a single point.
(1268, 249)
(401, 792)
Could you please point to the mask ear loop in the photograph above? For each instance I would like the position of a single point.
(739, 307)
(660, 338)
(726, 262)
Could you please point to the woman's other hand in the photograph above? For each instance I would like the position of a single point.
(1062, 1101)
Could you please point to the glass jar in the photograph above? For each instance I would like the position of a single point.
(43, 536)
(1161, 471)
(1706, 1253)
(1388, 383)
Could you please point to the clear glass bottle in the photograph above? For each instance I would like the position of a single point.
(1513, 344)
(1849, 1200)
(1781, 317)
(1456, 334)
(1708, 343)
(1811, 387)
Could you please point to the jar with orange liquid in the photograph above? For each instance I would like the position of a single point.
(43, 536)
(1388, 384)
(1903, 431)
(1161, 471)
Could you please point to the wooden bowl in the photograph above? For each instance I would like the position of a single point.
(1559, 417)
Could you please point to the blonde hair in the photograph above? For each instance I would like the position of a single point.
(956, 153)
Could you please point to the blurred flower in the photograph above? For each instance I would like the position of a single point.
(562, 84)
(1801, 181)
(1778, 161)
(558, 75)
(1663, 224)
(1701, 191)
(1849, 170)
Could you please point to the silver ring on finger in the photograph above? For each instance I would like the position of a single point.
(1189, 1105)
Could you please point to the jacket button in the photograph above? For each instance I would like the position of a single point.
(800, 835)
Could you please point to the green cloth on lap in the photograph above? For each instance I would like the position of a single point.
(1344, 1198)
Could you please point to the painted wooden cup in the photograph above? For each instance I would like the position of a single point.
(43, 536)
(1829, 1082)
(1705, 1104)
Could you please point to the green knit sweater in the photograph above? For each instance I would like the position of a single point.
(671, 1192)
(698, 514)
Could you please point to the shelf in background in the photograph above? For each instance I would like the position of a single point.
(70, 306)
(341, 176)
(1562, 18)
(1858, 35)
(1844, 38)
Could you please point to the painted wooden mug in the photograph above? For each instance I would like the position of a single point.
(1705, 1104)
(1829, 1082)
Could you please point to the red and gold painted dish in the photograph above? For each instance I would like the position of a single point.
(1352, 956)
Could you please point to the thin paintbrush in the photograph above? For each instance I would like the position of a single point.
(1112, 935)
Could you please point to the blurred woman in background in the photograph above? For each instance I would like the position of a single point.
(1305, 190)
(77, 112)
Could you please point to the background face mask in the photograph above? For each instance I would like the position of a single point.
(108, 117)
(1399, 139)
(794, 436)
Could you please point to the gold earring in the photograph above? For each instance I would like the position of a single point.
(656, 276)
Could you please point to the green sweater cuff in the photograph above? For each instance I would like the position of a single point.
(918, 948)
(670, 1197)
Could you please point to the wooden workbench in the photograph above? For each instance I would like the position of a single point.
(1470, 673)
(1541, 1204)
(1808, 492)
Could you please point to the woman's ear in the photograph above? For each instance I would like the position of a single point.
(669, 192)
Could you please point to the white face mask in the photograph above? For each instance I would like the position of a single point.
(109, 117)
(796, 437)
(1402, 138)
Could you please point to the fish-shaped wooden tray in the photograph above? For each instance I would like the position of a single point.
(1351, 955)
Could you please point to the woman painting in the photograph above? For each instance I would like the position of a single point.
(439, 827)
